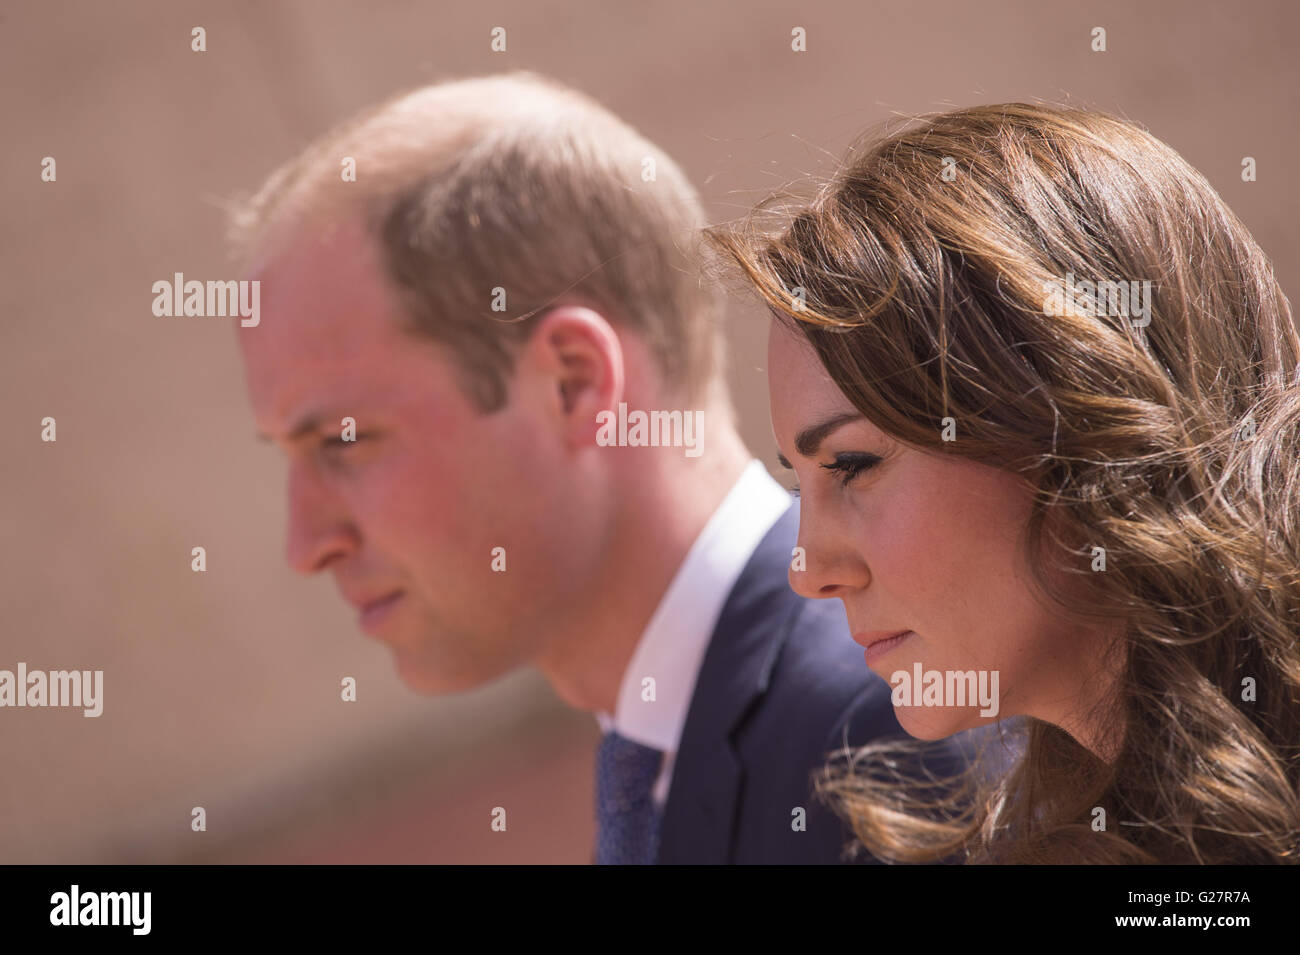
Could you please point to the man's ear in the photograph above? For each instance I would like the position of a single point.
(576, 358)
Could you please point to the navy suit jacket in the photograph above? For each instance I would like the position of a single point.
(781, 685)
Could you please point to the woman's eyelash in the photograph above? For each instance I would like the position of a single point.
(847, 466)
(850, 464)
(338, 442)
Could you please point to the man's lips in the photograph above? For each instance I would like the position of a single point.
(374, 611)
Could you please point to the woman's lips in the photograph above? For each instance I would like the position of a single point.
(878, 647)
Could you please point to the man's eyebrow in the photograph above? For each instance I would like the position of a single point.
(304, 427)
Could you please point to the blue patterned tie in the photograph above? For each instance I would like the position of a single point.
(627, 822)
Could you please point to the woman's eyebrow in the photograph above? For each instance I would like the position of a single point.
(810, 439)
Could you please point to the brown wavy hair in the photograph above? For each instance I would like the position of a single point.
(920, 273)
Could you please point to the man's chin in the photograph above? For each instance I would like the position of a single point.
(425, 677)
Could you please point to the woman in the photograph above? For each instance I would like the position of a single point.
(1039, 388)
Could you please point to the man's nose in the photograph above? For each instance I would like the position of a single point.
(319, 530)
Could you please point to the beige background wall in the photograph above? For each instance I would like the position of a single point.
(222, 688)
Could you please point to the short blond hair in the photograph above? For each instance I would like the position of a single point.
(511, 187)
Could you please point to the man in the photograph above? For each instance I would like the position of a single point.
(488, 354)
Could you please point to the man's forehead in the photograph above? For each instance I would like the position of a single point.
(318, 398)
(299, 229)
(323, 297)
(335, 371)
(330, 335)
(320, 266)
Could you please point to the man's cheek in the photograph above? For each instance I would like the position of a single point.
(395, 500)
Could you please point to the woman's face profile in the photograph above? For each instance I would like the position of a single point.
(922, 542)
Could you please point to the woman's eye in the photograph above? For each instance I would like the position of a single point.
(849, 465)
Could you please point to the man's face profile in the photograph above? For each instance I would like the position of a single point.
(408, 516)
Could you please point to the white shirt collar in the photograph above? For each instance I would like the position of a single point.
(673, 644)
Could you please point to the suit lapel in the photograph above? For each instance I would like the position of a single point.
(699, 817)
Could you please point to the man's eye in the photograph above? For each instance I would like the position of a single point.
(338, 442)
(850, 464)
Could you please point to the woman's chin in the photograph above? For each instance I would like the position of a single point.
(934, 722)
